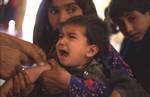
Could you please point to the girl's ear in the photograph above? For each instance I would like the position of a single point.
(92, 50)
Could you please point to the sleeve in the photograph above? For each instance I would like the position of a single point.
(87, 88)
(115, 61)
(122, 78)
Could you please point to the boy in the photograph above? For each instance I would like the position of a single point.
(133, 19)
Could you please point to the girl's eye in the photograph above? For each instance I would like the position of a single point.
(72, 37)
(60, 36)
(53, 11)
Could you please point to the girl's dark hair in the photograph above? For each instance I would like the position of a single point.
(118, 7)
(96, 31)
(43, 35)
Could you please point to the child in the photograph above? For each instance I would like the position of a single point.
(81, 41)
(133, 19)
(82, 50)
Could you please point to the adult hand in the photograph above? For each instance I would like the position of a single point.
(18, 86)
(29, 49)
(10, 58)
(22, 83)
(55, 80)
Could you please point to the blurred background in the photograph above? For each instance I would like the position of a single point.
(17, 17)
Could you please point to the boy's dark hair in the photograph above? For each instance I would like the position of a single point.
(96, 31)
(118, 7)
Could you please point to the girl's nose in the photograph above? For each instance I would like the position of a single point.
(62, 41)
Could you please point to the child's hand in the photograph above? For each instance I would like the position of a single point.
(57, 78)
(115, 94)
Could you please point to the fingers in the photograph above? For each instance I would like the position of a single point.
(41, 56)
(26, 79)
(22, 82)
(9, 59)
(35, 53)
(16, 85)
(53, 63)
(21, 85)
(28, 85)
(6, 89)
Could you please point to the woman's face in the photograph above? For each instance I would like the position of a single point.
(61, 10)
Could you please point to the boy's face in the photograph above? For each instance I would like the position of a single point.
(72, 47)
(134, 24)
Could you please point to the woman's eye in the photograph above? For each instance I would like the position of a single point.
(53, 11)
(72, 9)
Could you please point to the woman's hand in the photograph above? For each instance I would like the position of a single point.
(55, 80)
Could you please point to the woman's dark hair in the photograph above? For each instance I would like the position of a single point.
(43, 35)
(112, 27)
(96, 31)
(118, 7)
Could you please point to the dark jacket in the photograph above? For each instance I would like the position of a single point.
(137, 55)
